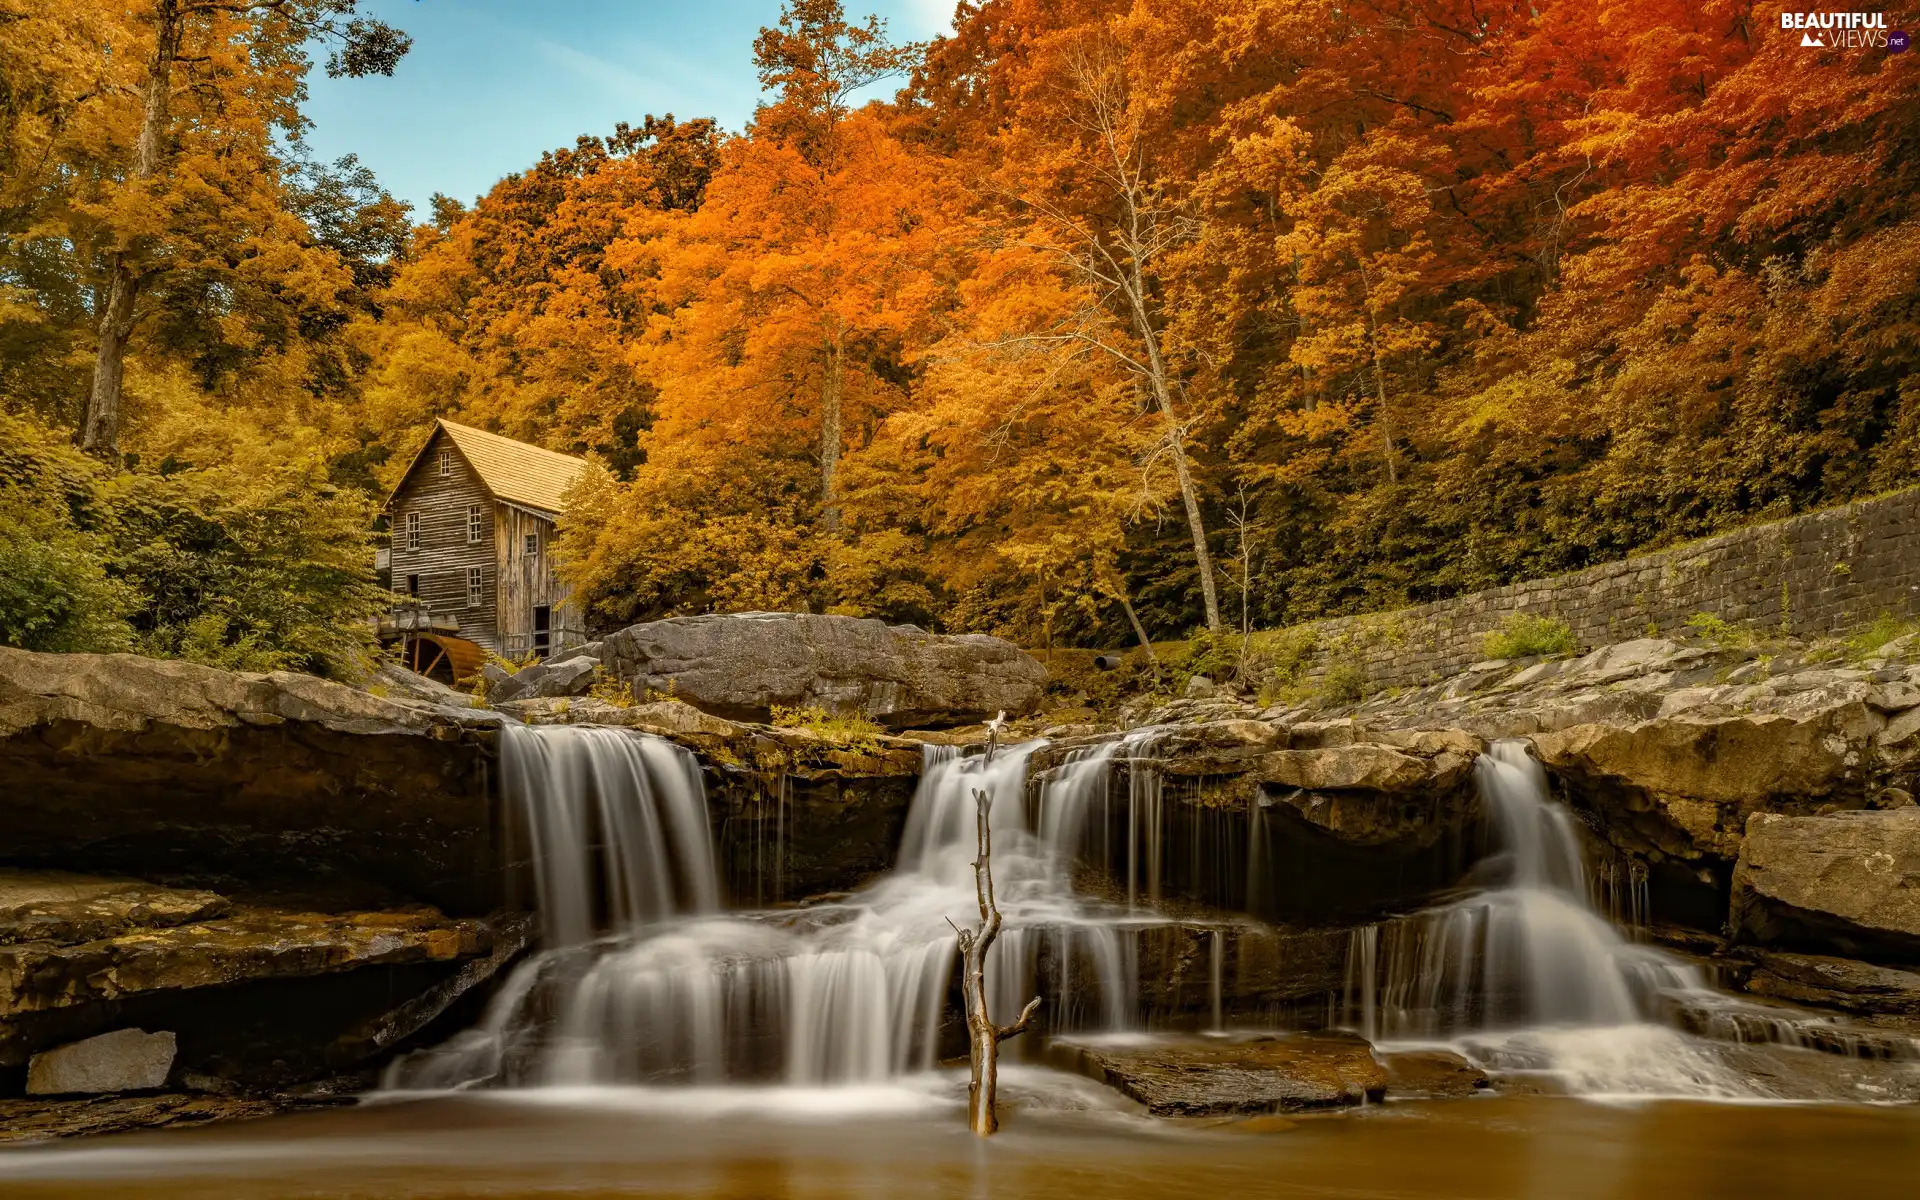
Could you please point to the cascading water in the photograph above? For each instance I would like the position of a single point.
(1527, 975)
(642, 979)
(1078, 808)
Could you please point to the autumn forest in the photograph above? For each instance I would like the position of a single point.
(1120, 320)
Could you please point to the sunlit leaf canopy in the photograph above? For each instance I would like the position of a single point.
(1361, 304)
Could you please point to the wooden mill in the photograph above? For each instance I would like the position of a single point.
(472, 567)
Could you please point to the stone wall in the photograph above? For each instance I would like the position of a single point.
(1820, 573)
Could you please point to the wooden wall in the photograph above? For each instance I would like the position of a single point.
(529, 580)
(444, 555)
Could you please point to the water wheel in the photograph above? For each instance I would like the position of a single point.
(440, 656)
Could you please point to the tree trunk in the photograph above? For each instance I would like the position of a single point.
(1177, 442)
(1379, 376)
(1133, 619)
(1196, 526)
(830, 434)
(983, 1036)
(101, 434)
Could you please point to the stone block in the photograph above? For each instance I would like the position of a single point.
(126, 1060)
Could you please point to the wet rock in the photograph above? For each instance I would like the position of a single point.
(1685, 785)
(146, 766)
(36, 1120)
(742, 666)
(1806, 1074)
(1842, 983)
(1228, 1076)
(1849, 880)
(38, 979)
(511, 935)
(1764, 1020)
(1256, 972)
(63, 907)
(1430, 1075)
(125, 1060)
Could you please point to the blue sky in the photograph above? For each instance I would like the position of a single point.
(490, 84)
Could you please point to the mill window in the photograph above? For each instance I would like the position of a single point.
(446, 462)
(530, 546)
(473, 523)
(413, 586)
(413, 531)
(475, 595)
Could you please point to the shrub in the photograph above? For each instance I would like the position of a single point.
(852, 730)
(1715, 631)
(1344, 683)
(1523, 636)
(608, 690)
(54, 590)
(1869, 640)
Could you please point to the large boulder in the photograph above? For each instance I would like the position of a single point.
(1683, 786)
(1848, 881)
(743, 666)
(571, 676)
(121, 763)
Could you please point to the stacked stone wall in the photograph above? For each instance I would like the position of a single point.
(1818, 574)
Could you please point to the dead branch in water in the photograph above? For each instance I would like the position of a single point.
(983, 1036)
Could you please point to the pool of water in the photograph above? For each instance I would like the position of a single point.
(1063, 1137)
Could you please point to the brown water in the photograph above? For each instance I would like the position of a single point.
(1063, 1141)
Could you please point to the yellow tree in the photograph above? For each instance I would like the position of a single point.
(198, 186)
(1085, 185)
(1360, 256)
(798, 277)
(517, 315)
(1021, 458)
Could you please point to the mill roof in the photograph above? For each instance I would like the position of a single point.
(513, 471)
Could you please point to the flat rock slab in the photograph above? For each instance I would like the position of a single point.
(1191, 1076)
(251, 944)
(1431, 1075)
(1791, 1073)
(1842, 983)
(65, 908)
(39, 1119)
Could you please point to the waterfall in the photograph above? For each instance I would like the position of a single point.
(642, 978)
(1532, 951)
(1077, 810)
(1527, 974)
(617, 824)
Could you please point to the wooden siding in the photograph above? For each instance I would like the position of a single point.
(527, 581)
(445, 555)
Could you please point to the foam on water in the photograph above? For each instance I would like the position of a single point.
(643, 979)
(652, 984)
(1528, 976)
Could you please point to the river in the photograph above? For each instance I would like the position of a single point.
(1062, 1138)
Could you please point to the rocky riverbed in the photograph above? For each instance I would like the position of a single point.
(298, 879)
